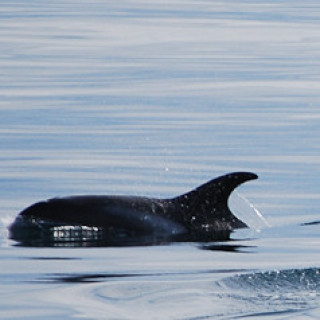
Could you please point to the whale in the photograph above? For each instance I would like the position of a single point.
(201, 214)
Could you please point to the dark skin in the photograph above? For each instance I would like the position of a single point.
(199, 214)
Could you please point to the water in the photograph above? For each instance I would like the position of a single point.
(154, 98)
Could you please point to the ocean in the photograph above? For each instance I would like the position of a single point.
(153, 98)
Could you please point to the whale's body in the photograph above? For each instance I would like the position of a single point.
(199, 215)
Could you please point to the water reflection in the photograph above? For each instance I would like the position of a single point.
(87, 278)
(102, 277)
(311, 223)
(227, 248)
(134, 241)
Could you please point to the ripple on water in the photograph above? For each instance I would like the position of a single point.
(280, 293)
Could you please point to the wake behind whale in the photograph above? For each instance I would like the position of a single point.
(199, 215)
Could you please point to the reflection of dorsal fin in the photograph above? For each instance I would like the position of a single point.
(209, 202)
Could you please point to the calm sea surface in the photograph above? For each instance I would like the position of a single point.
(155, 98)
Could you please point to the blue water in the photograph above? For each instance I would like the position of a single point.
(155, 98)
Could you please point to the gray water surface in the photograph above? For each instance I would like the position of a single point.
(155, 98)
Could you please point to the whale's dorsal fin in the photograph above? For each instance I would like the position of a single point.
(208, 204)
